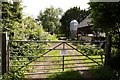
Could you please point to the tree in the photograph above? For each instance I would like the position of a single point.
(11, 13)
(21, 29)
(71, 14)
(28, 29)
(50, 19)
(106, 18)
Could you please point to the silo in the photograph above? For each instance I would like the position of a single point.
(73, 29)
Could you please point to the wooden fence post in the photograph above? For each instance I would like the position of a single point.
(108, 49)
(0, 53)
(4, 54)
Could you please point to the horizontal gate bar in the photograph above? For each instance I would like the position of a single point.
(43, 56)
(43, 69)
(37, 49)
(47, 41)
(50, 72)
(54, 64)
(55, 60)
(61, 68)
(81, 66)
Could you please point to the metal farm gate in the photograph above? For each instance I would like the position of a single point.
(38, 59)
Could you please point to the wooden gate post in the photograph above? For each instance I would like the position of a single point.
(63, 57)
(4, 54)
(108, 49)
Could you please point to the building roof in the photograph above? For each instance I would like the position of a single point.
(86, 22)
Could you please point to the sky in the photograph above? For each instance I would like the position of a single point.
(33, 7)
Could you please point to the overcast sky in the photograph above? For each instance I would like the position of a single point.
(34, 6)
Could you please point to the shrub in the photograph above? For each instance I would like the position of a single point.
(13, 75)
(90, 49)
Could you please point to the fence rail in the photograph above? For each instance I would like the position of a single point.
(48, 41)
(56, 60)
(49, 56)
(51, 64)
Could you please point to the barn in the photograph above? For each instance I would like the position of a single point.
(86, 33)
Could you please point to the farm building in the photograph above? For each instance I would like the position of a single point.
(85, 32)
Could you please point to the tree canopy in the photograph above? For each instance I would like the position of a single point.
(11, 13)
(20, 28)
(50, 19)
(106, 16)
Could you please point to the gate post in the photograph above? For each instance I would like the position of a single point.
(63, 57)
(4, 54)
(0, 54)
(108, 50)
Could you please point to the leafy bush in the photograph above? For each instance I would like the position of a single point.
(114, 51)
(90, 49)
(27, 30)
(13, 76)
(21, 29)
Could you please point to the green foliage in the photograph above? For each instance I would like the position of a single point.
(50, 19)
(106, 16)
(106, 19)
(66, 75)
(114, 51)
(90, 49)
(116, 43)
(11, 13)
(71, 14)
(13, 76)
(22, 29)
(30, 30)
